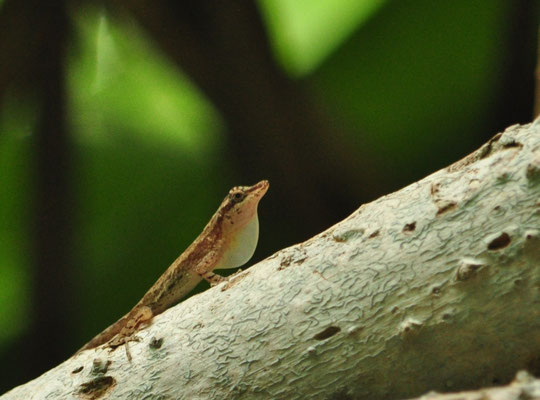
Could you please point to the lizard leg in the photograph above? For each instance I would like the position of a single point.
(142, 316)
(212, 278)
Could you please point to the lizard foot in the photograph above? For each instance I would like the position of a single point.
(232, 279)
(142, 316)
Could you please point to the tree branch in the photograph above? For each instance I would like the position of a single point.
(433, 287)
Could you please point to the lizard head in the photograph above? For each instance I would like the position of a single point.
(240, 205)
(240, 223)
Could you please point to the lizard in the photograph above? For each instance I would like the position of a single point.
(227, 241)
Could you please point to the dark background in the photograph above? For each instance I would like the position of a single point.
(123, 124)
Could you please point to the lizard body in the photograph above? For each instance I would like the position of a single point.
(228, 241)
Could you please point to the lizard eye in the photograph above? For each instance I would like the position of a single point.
(238, 196)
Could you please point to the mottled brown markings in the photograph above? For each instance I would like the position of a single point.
(236, 195)
(297, 257)
(212, 278)
(327, 333)
(500, 242)
(174, 281)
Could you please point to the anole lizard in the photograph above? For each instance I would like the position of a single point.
(228, 241)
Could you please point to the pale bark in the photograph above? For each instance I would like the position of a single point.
(434, 287)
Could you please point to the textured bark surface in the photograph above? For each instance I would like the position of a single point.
(434, 287)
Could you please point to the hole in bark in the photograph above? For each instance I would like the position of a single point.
(96, 388)
(77, 370)
(156, 343)
(532, 234)
(409, 227)
(500, 242)
(374, 234)
(511, 144)
(446, 207)
(327, 333)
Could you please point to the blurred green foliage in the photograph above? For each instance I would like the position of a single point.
(15, 193)
(119, 82)
(416, 76)
(306, 32)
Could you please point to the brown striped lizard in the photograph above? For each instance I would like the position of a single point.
(228, 241)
